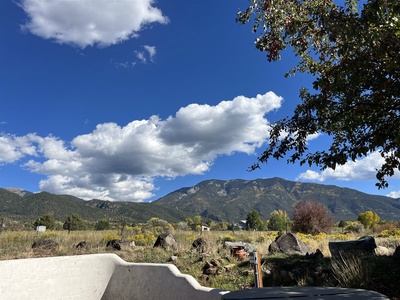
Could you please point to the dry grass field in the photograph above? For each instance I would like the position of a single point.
(380, 273)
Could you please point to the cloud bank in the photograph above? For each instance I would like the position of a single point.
(361, 169)
(86, 22)
(120, 162)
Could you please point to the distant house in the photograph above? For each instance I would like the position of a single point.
(41, 228)
(242, 224)
(205, 228)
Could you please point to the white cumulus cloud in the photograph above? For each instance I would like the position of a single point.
(85, 23)
(394, 194)
(361, 169)
(120, 162)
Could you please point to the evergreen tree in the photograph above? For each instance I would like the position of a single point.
(74, 222)
(45, 220)
(254, 221)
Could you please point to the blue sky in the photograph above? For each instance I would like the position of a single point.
(131, 100)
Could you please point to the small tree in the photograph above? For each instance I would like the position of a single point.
(342, 224)
(196, 222)
(369, 219)
(254, 221)
(102, 224)
(311, 217)
(45, 220)
(74, 222)
(279, 220)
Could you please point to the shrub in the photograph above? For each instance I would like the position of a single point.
(311, 217)
(390, 232)
(110, 236)
(157, 226)
(227, 238)
(355, 227)
(351, 271)
(143, 239)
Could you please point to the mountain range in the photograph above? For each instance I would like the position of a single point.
(219, 200)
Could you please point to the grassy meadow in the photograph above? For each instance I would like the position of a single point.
(380, 273)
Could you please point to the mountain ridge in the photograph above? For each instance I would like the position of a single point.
(238, 196)
(220, 200)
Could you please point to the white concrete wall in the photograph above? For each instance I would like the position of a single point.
(94, 277)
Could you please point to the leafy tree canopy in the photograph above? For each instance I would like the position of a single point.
(311, 217)
(279, 220)
(368, 218)
(354, 57)
(45, 220)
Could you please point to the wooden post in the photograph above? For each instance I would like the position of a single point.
(259, 270)
(255, 260)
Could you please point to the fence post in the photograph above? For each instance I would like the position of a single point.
(255, 260)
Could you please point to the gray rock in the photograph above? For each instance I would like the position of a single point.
(45, 244)
(364, 245)
(200, 245)
(289, 243)
(166, 241)
(82, 245)
(173, 258)
(114, 244)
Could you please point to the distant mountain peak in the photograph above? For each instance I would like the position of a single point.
(18, 191)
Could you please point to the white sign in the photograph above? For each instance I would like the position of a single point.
(40, 228)
(253, 257)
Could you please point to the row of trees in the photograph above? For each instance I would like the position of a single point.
(72, 222)
(309, 217)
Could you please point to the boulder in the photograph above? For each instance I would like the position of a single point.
(289, 243)
(114, 244)
(117, 244)
(173, 258)
(200, 245)
(364, 245)
(45, 244)
(166, 241)
(82, 245)
(317, 255)
(397, 252)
